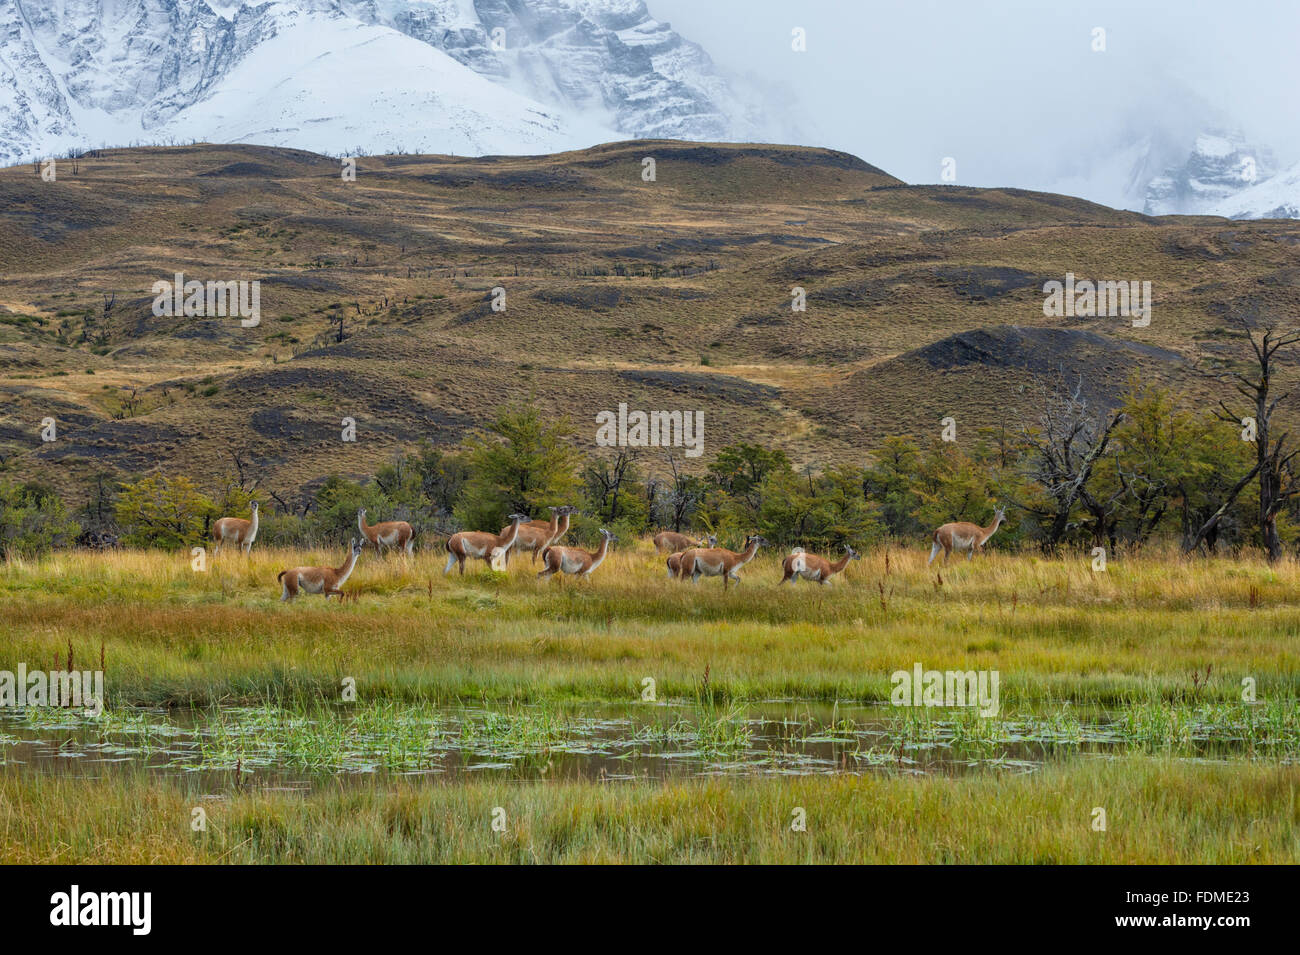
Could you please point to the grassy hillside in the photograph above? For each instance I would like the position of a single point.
(922, 301)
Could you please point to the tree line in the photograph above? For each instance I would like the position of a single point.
(1073, 472)
(1072, 475)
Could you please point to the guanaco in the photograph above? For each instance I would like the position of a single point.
(799, 563)
(536, 536)
(319, 580)
(718, 561)
(235, 530)
(962, 535)
(387, 535)
(575, 560)
(674, 561)
(670, 542)
(466, 544)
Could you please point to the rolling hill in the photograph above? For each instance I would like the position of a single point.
(675, 293)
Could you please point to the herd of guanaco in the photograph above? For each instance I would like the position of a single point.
(685, 556)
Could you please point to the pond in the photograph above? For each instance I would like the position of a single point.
(295, 747)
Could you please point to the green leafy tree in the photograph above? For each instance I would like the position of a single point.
(788, 508)
(33, 520)
(442, 478)
(520, 463)
(737, 477)
(890, 481)
(161, 511)
(1167, 467)
(333, 519)
(844, 515)
(952, 485)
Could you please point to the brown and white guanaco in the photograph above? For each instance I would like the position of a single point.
(480, 544)
(800, 564)
(671, 542)
(235, 530)
(387, 534)
(962, 535)
(319, 580)
(536, 536)
(718, 561)
(575, 560)
(674, 561)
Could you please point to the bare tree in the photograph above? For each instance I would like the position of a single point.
(1208, 532)
(683, 493)
(286, 508)
(243, 467)
(607, 478)
(1064, 446)
(1274, 456)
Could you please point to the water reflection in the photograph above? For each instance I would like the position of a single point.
(274, 748)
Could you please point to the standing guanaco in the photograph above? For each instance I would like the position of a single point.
(319, 580)
(235, 530)
(718, 561)
(674, 561)
(575, 560)
(536, 536)
(466, 544)
(962, 535)
(812, 567)
(387, 534)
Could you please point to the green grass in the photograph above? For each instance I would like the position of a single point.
(1161, 644)
(1145, 631)
(1157, 811)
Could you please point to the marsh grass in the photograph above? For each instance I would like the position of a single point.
(696, 738)
(1053, 628)
(1158, 811)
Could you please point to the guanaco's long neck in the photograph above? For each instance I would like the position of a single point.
(508, 538)
(562, 528)
(361, 523)
(600, 553)
(747, 554)
(990, 530)
(841, 563)
(252, 525)
(344, 572)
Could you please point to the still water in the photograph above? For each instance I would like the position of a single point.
(272, 748)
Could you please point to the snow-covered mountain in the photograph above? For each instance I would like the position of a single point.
(1275, 198)
(1221, 165)
(336, 76)
(1166, 153)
